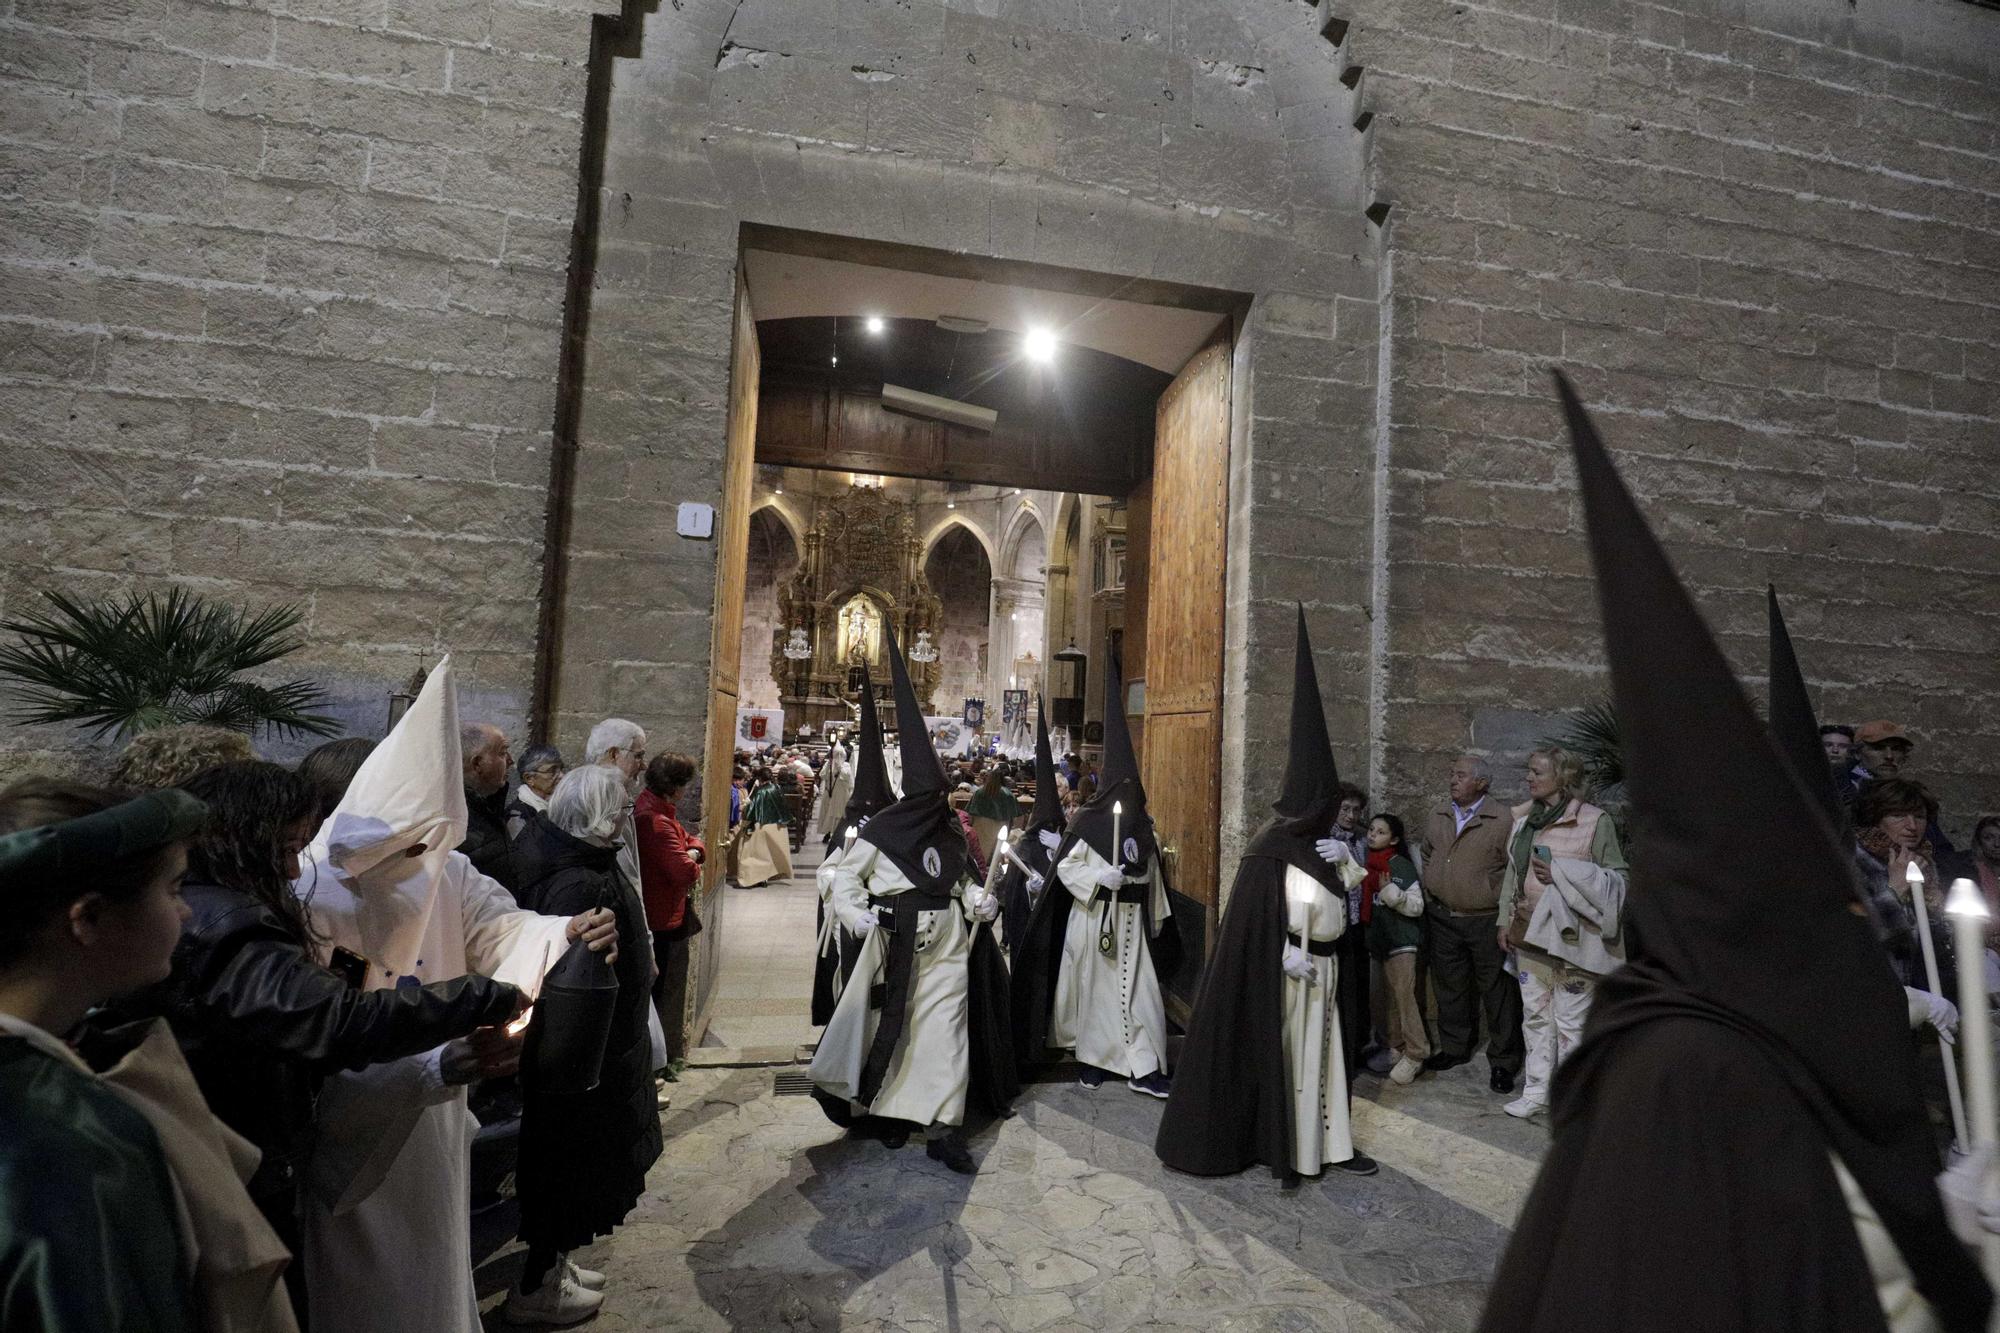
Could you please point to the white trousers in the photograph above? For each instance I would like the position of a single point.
(1555, 999)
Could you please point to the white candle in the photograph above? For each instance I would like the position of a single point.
(1117, 845)
(1914, 877)
(993, 867)
(852, 829)
(1966, 907)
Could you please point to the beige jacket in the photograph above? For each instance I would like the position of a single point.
(1463, 871)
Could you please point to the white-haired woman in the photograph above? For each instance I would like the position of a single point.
(583, 1156)
(1561, 905)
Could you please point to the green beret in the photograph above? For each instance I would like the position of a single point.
(92, 842)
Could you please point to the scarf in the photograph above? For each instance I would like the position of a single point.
(1539, 817)
(1378, 878)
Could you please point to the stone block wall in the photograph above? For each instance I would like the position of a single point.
(1765, 240)
(281, 290)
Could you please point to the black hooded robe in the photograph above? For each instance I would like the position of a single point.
(1231, 1105)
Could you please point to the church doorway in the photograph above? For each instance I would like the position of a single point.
(1020, 471)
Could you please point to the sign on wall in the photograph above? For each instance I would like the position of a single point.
(759, 728)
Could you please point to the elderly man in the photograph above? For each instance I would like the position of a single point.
(616, 743)
(484, 754)
(541, 768)
(1884, 751)
(1465, 858)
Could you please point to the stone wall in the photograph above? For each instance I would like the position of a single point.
(281, 289)
(1201, 144)
(1765, 240)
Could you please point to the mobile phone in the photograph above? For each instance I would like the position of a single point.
(1543, 853)
(349, 966)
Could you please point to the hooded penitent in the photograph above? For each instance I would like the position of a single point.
(1046, 817)
(920, 832)
(1232, 1101)
(1117, 785)
(1755, 1034)
(1792, 720)
(871, 771)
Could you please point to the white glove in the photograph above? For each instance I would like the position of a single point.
(1298, 964)
(1390, 896)
(871, 919)
(1942, 1015)
(985, 907)
(1050, 838)
(1035, 884)
(1973, 1212)
(1111, 877)
(1333, 851)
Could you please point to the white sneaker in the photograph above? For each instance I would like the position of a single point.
(587, 1278)
(557, 1301)
(1523, 1108)
(1406, 1071)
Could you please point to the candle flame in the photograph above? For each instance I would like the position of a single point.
(1118, 807)
(520, 1025)
(1966, 900)
(1915, 874)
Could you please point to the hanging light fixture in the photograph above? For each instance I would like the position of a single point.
(797, 647)
(923, 650)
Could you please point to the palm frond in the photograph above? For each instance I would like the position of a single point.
(155, 659)
(1593, 735)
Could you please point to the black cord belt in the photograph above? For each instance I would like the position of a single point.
(1317, 948)
(912, 901)
(1132, 893)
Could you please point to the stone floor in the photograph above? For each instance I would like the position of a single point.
(763, 982)
(762, 1216)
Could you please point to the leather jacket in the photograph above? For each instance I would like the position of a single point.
(262, 1023)
(486, 843)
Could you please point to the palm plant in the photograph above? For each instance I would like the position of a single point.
(120, 666)
(1592, 734)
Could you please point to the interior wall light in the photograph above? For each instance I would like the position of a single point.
(1039, 345)
(875, 324)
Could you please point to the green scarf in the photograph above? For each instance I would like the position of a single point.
(1539, 817)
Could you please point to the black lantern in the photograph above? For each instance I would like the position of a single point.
(1069, 673)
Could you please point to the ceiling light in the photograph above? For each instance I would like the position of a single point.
(836, 360)
(1017, 490)
(951, 504)
(1040, 345)
(875, 324)
(777, 490)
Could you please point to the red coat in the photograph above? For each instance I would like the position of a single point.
(666, 869)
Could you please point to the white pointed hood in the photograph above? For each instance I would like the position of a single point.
(411, 790)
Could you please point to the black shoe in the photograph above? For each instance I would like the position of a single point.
(1358, 1165)
(1437, 1064)
(896, 1137)
(952, 1152)
(1090, 1076)
(1154, 1084)
(1502, 1081)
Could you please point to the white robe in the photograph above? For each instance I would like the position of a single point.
(931, 1071)
(387, 1218)
(1321, 1133)
(1108, 1007)
(835, 792)
(830, 927)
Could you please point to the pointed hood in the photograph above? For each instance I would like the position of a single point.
(871, 771)
(410, 789)
(1048, 804)
(1310, 796)
(1117, 784)
(1792, 720)
(1743, 906)
(920, 832)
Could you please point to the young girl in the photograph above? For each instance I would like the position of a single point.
(1393, 907)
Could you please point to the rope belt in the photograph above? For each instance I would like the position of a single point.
(1317, 948)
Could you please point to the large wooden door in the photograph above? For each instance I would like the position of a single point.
(1186, 540)
(732, 553)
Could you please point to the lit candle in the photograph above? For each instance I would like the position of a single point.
(993, 867)
(1914, 877)
(852, 829)
(1966, 907)
(1117, 844)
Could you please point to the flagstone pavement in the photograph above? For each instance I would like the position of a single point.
(763, 1216)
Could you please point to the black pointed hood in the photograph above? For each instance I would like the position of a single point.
(922, 823)
(1117, 784)
(1310, 796)
(1742, 904)
(871, 790)
(1048, 802)
(1792, 720)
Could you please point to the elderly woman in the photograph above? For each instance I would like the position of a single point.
(541, 768)
(1561, 907)
(583, 1156)
(169, 756)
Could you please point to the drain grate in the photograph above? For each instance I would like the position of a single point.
(791, 1083)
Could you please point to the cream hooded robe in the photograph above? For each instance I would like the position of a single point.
(386, 1208)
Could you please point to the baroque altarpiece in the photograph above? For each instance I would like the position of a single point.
(861, 572)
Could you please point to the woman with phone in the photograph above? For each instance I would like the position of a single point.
(1561, 905)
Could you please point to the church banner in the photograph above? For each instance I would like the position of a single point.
(759, 728)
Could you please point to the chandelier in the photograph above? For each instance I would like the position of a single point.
(797, 649)
(923, 650)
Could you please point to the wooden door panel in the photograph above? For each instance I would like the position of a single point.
(731, 560)
(1186, 542)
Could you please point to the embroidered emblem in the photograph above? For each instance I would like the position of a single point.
(933, 863)
(1131, 849)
